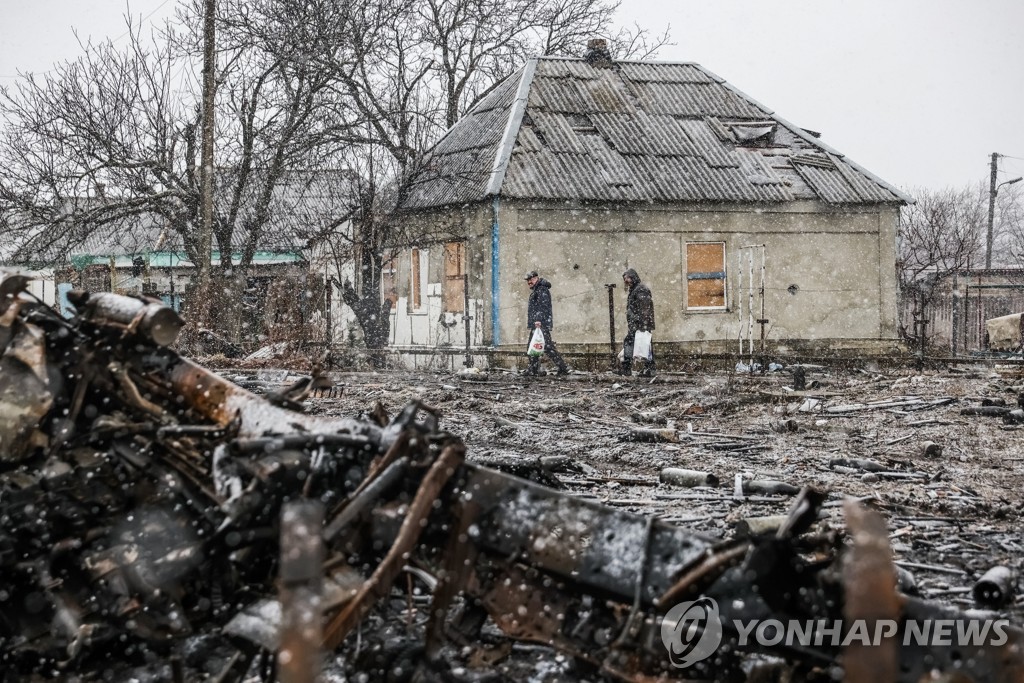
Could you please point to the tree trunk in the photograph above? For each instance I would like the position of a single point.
(373, 317)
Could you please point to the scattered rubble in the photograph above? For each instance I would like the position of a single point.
(162, 523)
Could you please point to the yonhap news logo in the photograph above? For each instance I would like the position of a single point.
(691, 631)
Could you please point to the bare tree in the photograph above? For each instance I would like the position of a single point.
(476, 44)
(109, 143)
(944, 231)
(414, 74)
(1008, 243)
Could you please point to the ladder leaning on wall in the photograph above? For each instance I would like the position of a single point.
(750, 297)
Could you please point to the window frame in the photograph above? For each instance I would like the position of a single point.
(720, 275)
(415, 288)
(419, 261)
(453, 291)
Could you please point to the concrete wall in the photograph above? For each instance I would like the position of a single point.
(429, 325)
(841, 261)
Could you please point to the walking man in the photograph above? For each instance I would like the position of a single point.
(538, 314)
(639, 318)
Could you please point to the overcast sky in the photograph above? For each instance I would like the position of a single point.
(919, 92)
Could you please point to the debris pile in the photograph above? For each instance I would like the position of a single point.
(161, 523)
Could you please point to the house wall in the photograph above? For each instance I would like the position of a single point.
(841, 261)
(430, 325)
(42, 285)
(339, 318)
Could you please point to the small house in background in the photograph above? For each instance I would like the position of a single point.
(580, 168)
(964, 301)
(285, 288)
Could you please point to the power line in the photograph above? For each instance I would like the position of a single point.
(142, 21)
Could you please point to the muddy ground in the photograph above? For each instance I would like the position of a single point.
(950, 488)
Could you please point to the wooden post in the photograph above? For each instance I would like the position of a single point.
(611, 325)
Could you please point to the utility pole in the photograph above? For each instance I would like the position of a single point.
(992, 192)
(991, 211)
(205, 241)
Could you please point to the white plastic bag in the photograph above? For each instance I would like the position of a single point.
(642, 345)
(536, 347)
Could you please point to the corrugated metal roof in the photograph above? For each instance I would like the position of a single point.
(646, 72)
(714, 151)
(638, 131)
(556, 133)
(828, 183)
(301, 204)
(695, 99)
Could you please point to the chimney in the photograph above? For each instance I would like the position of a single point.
(598, 54)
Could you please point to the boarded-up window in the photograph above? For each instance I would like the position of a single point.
(705, 275)
(454, 277)
(415, 293)
(388, 283)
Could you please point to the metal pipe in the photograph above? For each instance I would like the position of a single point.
(495, 274)
(224, 402)
(390, 476)
(465, 317)
(995, 588)
(678, 476)
(157, 322)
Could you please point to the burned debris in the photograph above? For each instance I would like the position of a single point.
(162, 523)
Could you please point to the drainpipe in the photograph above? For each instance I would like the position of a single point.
(495, 274)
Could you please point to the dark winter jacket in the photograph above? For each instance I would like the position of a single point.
(540, 305)
(639, 305)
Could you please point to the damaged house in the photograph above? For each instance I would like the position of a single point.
(744, 225)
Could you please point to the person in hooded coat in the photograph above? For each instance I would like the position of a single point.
(538, 314)
(639, 317)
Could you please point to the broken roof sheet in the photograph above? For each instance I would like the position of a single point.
(638, 131)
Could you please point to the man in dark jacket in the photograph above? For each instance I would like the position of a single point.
(538, 314)
(639, 318)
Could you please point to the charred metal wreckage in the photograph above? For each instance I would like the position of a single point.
(155, 510)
